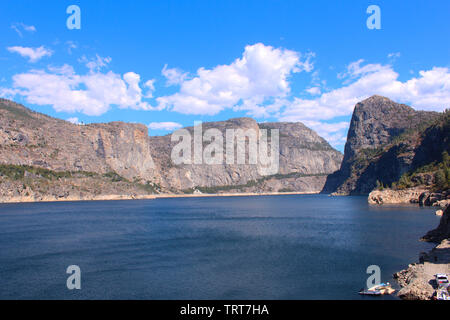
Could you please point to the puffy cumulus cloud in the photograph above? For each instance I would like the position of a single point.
(167, 126)
(174, 76)
(33, 54)
(134, 91)
(92, 94)
(429, 91)
(248, 83)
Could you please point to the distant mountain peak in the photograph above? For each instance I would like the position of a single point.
(376, 122)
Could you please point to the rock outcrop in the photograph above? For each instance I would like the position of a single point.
(389, 196)
(125, 151)
(442, 231)
(385, 140)
(420, 195)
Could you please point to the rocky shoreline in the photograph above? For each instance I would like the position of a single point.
(417, 281)
(420, 195)
(103, 197)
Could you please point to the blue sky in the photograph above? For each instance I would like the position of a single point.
(169, 63)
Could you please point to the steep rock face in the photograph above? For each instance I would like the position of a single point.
(301, 151)
(34, 139)
(184, 176)
(369, 153)
(31, 138)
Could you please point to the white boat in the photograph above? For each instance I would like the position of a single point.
(370, 293)
(380, 289)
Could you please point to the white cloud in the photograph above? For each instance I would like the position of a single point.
(8, 93)
(150, 84)
(429, 91)
(70, 46)
(19, 27)
(174, 76)
(334, 133)
(134, 91)
(314, 91)
(65, 69)
(394, 55)
(95, 64)
(74, 120)
(92, 94)
(33, 54)
(259, 76)
(168, 126)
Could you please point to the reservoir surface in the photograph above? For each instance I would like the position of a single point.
(260, 247)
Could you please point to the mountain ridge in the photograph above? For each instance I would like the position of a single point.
(29, 138)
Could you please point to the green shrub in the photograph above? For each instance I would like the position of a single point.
(440, 179)
(114, 176)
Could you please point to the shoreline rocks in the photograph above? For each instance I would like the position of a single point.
(101, 197)
(417, 280)
(147, 196)
(389, 196)
(420, 195)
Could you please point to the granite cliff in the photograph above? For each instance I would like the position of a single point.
(386, 140)
(44, 158)
(305, 159)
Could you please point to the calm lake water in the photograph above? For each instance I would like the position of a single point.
(271, 247)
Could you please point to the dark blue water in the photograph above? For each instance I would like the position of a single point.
(271, 247)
